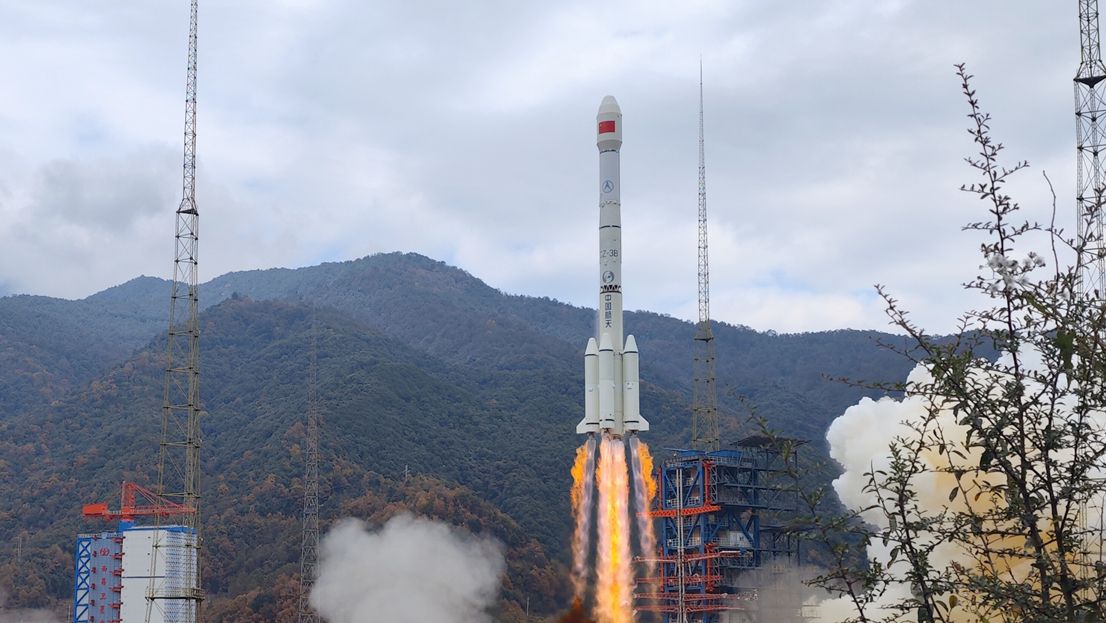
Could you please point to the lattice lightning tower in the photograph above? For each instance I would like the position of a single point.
(178, 471)
(1090, 142)
(309, 549)
(704, 405)
(1089, 179)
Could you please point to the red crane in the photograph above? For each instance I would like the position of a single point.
(153, 505)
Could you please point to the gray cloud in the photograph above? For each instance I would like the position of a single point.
(106, 194)
(331, 129)
(85, 222)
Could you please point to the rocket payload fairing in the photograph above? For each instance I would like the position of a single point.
(611, 402)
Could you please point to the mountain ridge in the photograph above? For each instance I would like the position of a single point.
(423, 369)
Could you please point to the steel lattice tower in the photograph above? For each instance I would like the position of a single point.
(1090, 140)
(704, 405)
(1089, 143)
(178, 470)
(309, 548)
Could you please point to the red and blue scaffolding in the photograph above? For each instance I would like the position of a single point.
(720, 515)
(98, 563)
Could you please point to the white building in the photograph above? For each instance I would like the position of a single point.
(115, 571)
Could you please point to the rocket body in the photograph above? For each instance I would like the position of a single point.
(610, 364)
(610, 221)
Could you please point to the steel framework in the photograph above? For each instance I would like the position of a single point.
(704, 403)
(130, 508)
(720, 517)
(309, 547)
(98, 572)
(178, 472)
(1090, 140)
(82, 587)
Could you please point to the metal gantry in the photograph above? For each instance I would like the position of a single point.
(82, 586)
(97, 593)
(178, 477)
(704, 404)
(722, 515)
(1090, 140)
(309, 548)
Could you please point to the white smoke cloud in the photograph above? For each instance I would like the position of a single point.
(860, 441)
(412, 570)
(784, 596)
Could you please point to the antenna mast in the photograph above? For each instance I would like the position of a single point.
(178, 470)
(309, 549)
(704, 405)
(1090, 142)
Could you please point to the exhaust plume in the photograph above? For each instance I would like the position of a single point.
(614, 585)
(860, 441)
(583, 487)
(410, 571)
(645, 489)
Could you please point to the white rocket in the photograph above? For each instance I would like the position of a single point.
(611, 402)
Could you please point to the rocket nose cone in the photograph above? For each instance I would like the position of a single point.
(631, 345)
(609, 105)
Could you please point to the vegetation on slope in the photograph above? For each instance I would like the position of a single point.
(423, 370)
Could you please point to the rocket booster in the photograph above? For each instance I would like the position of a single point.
(611, 400)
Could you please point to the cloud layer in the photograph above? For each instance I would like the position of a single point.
(330, 129)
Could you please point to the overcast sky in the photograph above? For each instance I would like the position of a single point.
(333, 129)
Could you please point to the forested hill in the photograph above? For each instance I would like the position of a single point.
(423, 369)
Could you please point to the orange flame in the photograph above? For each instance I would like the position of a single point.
(583, 485)
(645, 489)
(578, 477)
(647, 474)
(613, 595)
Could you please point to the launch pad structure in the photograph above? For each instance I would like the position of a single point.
(723, 533)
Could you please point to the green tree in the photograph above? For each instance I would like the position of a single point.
(1018, 439)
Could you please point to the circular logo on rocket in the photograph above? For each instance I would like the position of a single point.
(608, 277)
(608, 186)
